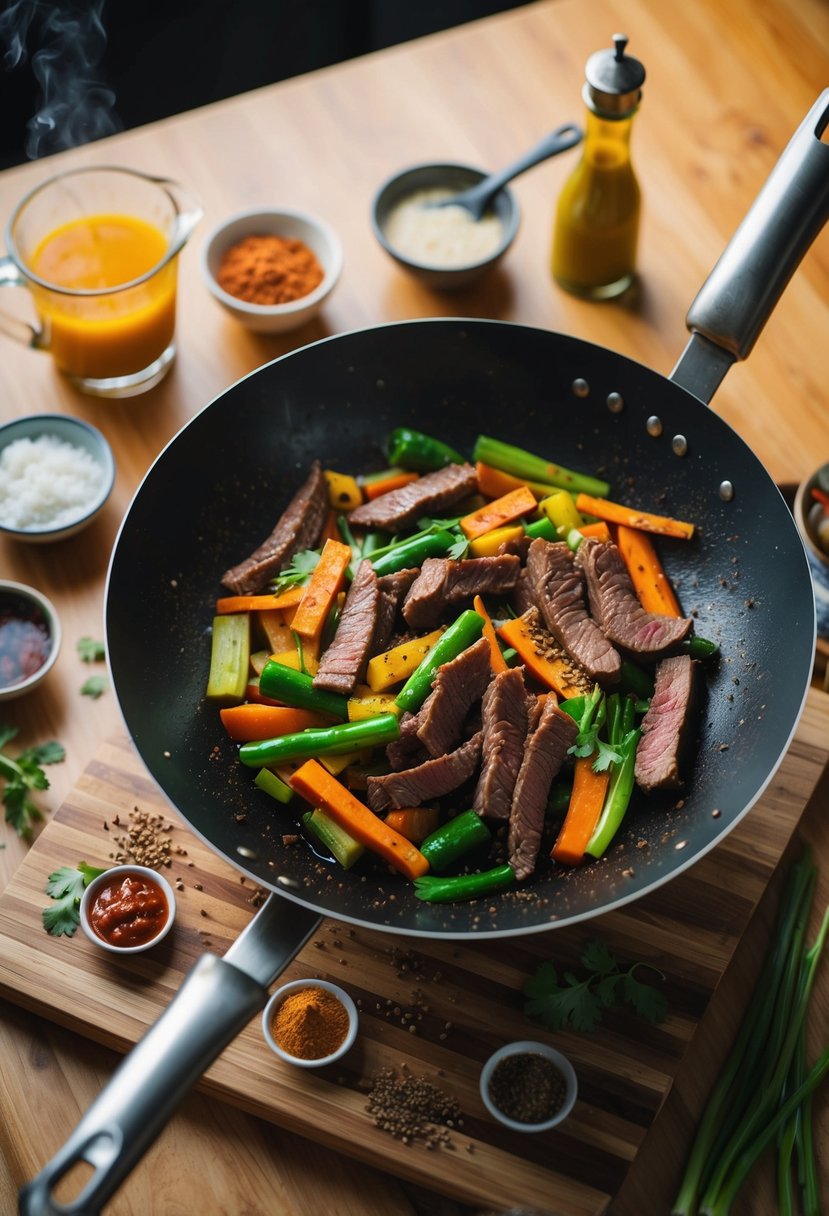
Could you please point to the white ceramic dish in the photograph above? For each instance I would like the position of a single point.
(113, 874)
(81, 435)
(296, 986)
(11, 593)
(526, 1047)
(274, 221)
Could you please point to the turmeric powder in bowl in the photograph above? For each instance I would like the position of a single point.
(264, 268)
(310, 1022)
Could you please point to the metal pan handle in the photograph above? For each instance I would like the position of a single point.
(217, 999)
(740, 294)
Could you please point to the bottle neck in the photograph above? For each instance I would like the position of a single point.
(608, 142)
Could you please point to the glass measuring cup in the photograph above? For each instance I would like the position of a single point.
(97, 248)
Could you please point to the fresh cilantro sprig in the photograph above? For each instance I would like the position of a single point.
(90, 651)
(579, 1003)
(299, 570)
(66, 887)
(94, 687)
(23, 776)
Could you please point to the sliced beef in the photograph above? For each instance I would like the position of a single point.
(523, 599)
(400, 509)
(407, 751)
(426, 782)
(520, 546)
(444, 584)
(616, 608)
(343, 663)
(393, 588)
(667, 725)
(505, 722)
(559, 591)
(547, 746)
(299, 527)
(456, 687)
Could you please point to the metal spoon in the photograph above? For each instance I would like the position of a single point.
(475, 199)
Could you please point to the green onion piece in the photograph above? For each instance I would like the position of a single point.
(617, 798)
(460, 634)
(524, 464)
(229, 657)
(342, 847)
(273, 785)
(436, 890)
(543, 528)
(335, 740)
(413, 450)
(700, 648)
(281, 683)
(413, 552)
(453, 839)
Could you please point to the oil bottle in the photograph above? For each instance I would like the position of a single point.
(597, 216)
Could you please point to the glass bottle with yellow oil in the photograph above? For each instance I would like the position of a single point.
(597, 217)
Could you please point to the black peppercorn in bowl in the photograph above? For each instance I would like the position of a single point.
(528, 1086)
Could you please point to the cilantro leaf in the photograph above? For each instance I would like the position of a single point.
(65, 881)
(94, 687)
(42, 753)
(61, 917)
(66, 887)
(645, 999)
(597, 956)
(299, 571)
(89, 650)
(22, 776)
(459, 549)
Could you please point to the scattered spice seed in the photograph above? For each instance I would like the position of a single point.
(411, 1108)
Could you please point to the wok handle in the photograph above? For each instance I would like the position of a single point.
(740, 294)
(214, 1003)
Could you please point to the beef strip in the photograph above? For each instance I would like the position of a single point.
(393, 589)
(666, 727)
(457, 685)
(299, 527)
(444, 584)
(522, 599)
(505, 723)
(428, 781)
(553, 733)
(616, 608)
(407, 751)
(343, 663)
(559, 591)
(400, 509)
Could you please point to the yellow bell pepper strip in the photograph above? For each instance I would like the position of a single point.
(335, 740)
(321, 591)
(489, 544)
(648, 521)
(276, 629)
(554, 667)
(410, 449)
(229, 658)
(396, 665)
(273, 785)
(368, 704)
(343, 492)
(460, 635)
(499, 512)
(560, 509)
(434, 889)
(282, 683)
(318, 787)
(529, 467)
(450, 842)
(342, 847)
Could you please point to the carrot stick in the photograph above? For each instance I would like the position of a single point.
(331, 531)
(275, 628)
(599, 530)
(394, 481)
(319, 788)
(586, 802)
(322, 589)
(414, 822)
(553, 666)
(650, 581)
(257, 603)
(496, 659)
(502, 511)
(494, 483)
(250, 723)
(616, 513)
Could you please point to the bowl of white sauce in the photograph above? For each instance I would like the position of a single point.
(443, 247)
(56, 473)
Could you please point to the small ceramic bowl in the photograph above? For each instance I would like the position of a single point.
(17, 601)
(450, 177)
(809, 518)
(529, 1048)
(273, 221)
(297, 986)
(83, 510)
(115, 875)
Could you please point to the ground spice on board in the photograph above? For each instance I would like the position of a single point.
(527, 1087)
(412, 1108)
(310, 1024)
(269, 270)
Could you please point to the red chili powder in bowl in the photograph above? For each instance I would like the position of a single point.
(269, 269)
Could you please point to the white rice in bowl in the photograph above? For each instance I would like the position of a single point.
(47, 483)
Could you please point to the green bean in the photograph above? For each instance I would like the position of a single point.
(455, 838)
(282, 683)
(460, 634)
(413, 552)
(413, 450)
(465, 886)
(322, 741)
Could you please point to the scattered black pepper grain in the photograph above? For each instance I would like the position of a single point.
(527, 1087)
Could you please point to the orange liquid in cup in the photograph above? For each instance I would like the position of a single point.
(119, 332)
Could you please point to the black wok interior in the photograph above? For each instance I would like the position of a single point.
(217, 489)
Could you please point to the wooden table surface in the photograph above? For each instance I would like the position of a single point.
(727, 83)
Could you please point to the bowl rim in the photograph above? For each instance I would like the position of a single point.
(107, 460)
(55, 634)
(530, 1047)
(509, 233)
(278, 996)
(800, 513)
(329, 279)
(105, 879)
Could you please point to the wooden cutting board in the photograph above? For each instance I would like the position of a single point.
(463, 1000)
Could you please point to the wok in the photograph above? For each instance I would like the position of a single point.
(215, 491)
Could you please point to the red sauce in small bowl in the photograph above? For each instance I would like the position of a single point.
(129, 911)
(25, 642)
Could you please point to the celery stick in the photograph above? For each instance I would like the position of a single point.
(342, 847)
(273, 785)
(229, 657)
(528, 466)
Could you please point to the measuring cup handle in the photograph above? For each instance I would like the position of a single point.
(188, 211)
(29, 335)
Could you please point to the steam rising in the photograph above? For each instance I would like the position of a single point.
(74, 107)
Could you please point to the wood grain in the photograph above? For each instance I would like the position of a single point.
(462, 999)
